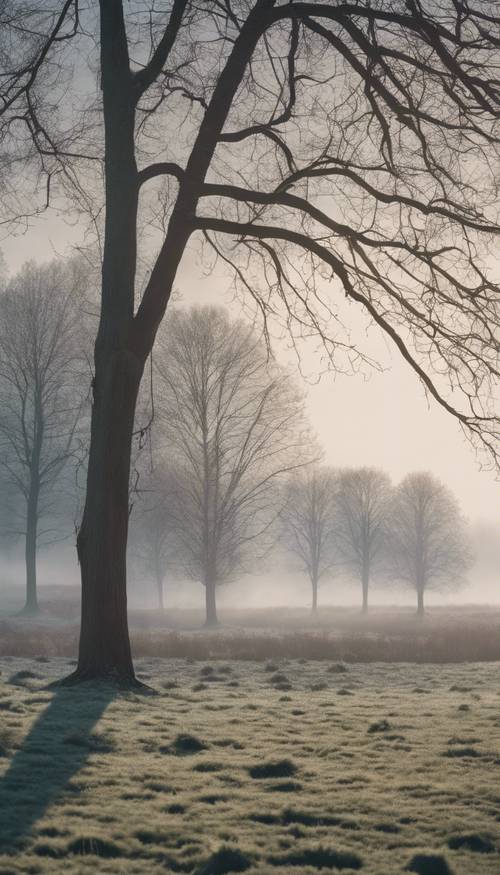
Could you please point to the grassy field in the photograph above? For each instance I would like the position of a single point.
(286, 767)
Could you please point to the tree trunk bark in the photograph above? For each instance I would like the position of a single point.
(210, 603)
(104, 651)
(102, 540)
(31, 606)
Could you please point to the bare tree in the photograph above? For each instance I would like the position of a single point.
(233, 423)
(304, 142)
(153, 529)
(41, 393)
(362, 506)
(428, 539)
(307, 517)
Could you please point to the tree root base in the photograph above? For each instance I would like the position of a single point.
(105, 679)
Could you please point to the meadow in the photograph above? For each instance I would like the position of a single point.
(271, 766)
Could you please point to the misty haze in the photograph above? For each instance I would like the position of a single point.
(249, 437)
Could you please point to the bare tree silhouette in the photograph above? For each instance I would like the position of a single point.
(42, 395)
(153, 528)
(233, 423)
(362, 508)
(428, 540)
(308, 523)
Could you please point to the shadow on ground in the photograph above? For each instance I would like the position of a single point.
(54, 750)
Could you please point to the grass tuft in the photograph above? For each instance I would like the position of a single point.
(280, 681)
(338, 668)
(175, 808)
(472, 842)
(380, 726)
(319, 858)
(150, 837)
(212, 798)
(389, 828)
(271, 666)
(89, 845)
(273, 769)
(208, 766)
(458, 752)
(44, 849)
(428, 864)
(305, 818)
(185, 745)
(226, 860)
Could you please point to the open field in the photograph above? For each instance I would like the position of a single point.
(285, 767)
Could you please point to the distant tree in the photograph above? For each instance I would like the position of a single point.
(233, 423)
(308, 517)
(41, 393)
(362, 501)
(153, 528)
(428, 539)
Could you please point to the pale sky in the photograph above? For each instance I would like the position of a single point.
(384, 420)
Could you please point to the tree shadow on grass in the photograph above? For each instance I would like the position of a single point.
(55, 749)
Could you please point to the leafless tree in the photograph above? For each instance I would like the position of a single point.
(355, 143)
(308, 518)
(42, 393)
(233, 423)
(153, 529)
(428, 539)
(362, 506)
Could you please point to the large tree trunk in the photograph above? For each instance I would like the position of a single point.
(124, 341)
(210, 603)
(104, 641)
(104, 650)
(31, 605)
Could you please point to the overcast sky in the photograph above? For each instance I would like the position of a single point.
(383, 419)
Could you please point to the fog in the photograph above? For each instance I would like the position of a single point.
(379, 417)
(372, 418)
(276, 582)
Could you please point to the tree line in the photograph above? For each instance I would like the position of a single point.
(355, 520)
(225, 467)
